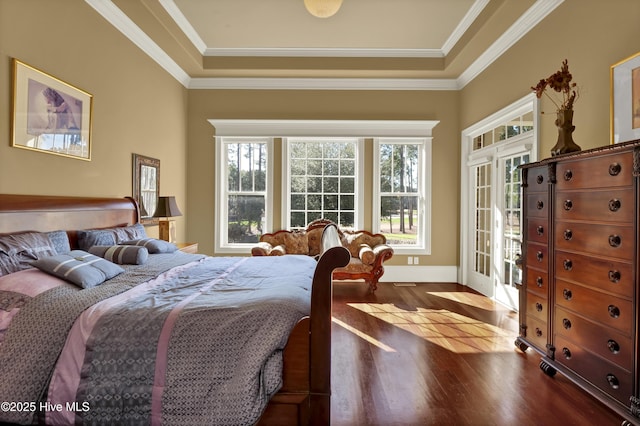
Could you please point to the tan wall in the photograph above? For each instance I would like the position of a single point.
(347, 105)
(138, 107)
(592, 35)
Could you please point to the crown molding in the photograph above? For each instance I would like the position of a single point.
(468, 19)
(325, 52)
(536, 13)
(323, 84)
(109, 11)
(174, 11)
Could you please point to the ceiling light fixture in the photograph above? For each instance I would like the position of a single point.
(322, 8)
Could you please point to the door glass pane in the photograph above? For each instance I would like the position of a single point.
(482, 225)
(512, 232)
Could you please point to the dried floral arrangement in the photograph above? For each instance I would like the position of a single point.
(560, 82)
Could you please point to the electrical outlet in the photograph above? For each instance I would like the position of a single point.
(416, 260)
(409, 260)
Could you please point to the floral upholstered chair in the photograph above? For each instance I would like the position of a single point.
(368, 251)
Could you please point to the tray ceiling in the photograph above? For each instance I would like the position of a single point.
(367, 44)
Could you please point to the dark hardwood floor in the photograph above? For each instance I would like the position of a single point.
(440, 354)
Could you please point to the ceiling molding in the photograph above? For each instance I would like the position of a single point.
(464, 25)
(536, 13)
(174, 11)
(323, 84)
(325, 52)
(343, 128)
(109, 11)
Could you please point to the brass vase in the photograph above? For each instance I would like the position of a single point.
(565, 142)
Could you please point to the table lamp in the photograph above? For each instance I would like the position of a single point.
(167, 208)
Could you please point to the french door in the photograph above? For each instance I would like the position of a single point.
(495, 221)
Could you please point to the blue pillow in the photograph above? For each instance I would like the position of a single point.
(153, 245)
(88, 238)
(60, 241)
(122, 255)
(79, 267)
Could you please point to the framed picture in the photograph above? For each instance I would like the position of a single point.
(625, 100)
(50, 115)
(146, 187)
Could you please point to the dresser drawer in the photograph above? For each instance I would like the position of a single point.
(538, 282)
(608, 377)
(538, 230)
(600, 307)
(616, 205)
(606, 171)
(538, 205)
(537, 179)
(604, 341)
(607, 275)
(537, 256)
(537, 306)
(537, 333)
(603, 240)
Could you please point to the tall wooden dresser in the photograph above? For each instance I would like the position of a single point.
(579, 292)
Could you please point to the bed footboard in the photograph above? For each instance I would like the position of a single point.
(305, 398)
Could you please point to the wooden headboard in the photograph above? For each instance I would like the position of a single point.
(51, 213)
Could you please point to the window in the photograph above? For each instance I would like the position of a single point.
(402, 193)
(243, 191)
(322, 181)
(507, 130)
(323, 176)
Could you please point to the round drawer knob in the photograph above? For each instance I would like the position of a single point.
(540, 230)
(615, 169)
(539, 179)
(568, 234)
(614, 276)
(567, 264)
(568, 174)
(614, 205)
(566, 353)
(614, 311)
(539, 256)
(615, 240)
(566, 323)
(613, 381)
(566, 293)
(539, 281)
(568, 205)
(538, 307)
(538, 332)
(613, 346)
(540, 205)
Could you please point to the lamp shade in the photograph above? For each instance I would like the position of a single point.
(322, 8)
(167, 207)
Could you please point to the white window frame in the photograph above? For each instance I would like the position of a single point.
(222, 244)
(364, 129)
(423, 243)
(286, 178)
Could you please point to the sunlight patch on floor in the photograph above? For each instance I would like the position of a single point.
(364, 336)
(471, 299)
(449, 330)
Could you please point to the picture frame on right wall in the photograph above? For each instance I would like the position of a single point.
(625, 100)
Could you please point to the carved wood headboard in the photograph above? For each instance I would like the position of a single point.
(51, 213)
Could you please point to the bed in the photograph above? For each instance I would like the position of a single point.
(168, 337)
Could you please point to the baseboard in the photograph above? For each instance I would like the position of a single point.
(441, 274)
